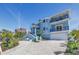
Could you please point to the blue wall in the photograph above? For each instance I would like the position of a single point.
(64, 24)
(48, 27)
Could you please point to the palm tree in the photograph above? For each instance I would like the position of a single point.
(75, 33)
(40, 21)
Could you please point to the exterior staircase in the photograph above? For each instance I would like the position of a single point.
(30, 37)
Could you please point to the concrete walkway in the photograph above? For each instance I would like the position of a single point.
(40, 48)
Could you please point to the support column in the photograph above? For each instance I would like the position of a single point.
(36, 35)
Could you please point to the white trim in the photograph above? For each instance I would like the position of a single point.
(60, 31)
(57, 14)
(59, 21)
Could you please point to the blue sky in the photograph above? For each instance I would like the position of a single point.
(10, 14)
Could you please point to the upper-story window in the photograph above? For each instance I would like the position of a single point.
(44, 21)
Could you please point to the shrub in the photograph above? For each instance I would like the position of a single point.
(15, 42)
(4, 45)
(19, 35)
(8, 40)
(10, 43)
(72, 46)
(75, 33)
(7, 45)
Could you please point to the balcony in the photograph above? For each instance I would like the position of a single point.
(58, 18)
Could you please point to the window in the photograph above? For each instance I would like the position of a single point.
(44, 28)
(38, 28)
(43, 21)
(59, 28)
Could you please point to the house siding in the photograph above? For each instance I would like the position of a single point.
(64, 25)
(49, 27)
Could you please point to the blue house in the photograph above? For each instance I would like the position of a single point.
(53, 27)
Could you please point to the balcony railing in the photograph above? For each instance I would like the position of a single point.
(58, 18)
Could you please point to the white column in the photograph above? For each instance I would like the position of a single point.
(36, 35)
(35, 32)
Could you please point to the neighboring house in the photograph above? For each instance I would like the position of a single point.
(23, 30)
(54, 27)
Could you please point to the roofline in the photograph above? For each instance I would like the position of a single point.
(67, 10)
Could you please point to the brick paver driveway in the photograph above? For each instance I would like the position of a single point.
(41, 48)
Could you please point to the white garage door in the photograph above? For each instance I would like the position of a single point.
(63, 35)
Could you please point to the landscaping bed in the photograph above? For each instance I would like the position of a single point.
(11, 44)
(72, 48)
(9, 39)
(73, 43)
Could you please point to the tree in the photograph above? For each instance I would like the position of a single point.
(8, 40)
(73, 45)
(75, 33)
(40, 21)
(19, 35)
(39, 33)
(7, 34)
(3, 35)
